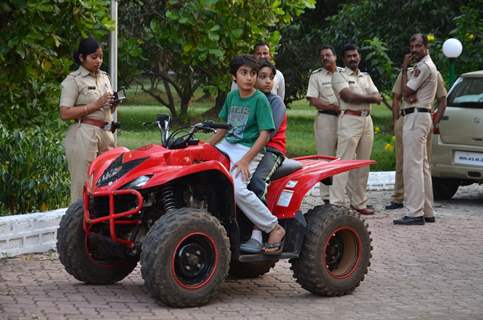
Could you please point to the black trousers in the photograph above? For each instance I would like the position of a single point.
(270, 162)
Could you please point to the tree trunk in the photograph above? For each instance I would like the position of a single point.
(185, 102)
(220, 99)
(168, 92)
(384, 102)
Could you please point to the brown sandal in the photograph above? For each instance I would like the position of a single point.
(274, 248)
(278, 246)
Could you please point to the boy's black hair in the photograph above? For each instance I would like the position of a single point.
(243, 60)
(423, 37)
(349, 47)
(262, 63)
(327, 46)
(259, 44)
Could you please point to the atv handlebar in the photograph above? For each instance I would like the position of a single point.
(213, 125)
(183, 137)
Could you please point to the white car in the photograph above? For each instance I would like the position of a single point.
(457, 157)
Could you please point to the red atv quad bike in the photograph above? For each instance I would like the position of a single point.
(172, 207)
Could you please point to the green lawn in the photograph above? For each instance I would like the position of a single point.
(300, 137)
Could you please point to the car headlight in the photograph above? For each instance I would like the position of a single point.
(137, 183)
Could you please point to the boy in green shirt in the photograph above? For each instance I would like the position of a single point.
(249, 113)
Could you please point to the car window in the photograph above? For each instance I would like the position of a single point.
(467, 93)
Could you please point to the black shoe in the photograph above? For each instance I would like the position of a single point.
(394, 205)
(429, 219)
(409, 221)
(326, 202)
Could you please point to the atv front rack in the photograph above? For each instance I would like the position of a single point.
(100, 207)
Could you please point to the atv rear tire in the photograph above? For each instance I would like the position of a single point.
(185, 257)
(73, 250)
(250, 270)
(336, 252)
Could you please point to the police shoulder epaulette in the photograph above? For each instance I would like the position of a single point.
(75, 73)
(316, 70)
(339, 69)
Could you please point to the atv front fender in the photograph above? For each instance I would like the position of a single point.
(169, 173)
(105, 159)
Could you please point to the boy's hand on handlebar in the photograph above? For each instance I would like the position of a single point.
(242, 167)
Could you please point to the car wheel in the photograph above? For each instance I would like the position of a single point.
(444, 189)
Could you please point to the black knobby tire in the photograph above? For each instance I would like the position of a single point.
(336, 252)
(185, 257)
(444, 189)
(72, 247)
(250, 270)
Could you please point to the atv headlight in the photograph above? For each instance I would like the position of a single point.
(137, 183)
(90, 181)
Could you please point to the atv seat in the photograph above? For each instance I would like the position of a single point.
(288, 166)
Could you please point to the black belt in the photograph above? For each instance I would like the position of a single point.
(332, 113)
(411, 110)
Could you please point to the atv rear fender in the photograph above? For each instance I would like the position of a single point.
(285, 195)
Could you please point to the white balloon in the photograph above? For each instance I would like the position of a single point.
(452, 48)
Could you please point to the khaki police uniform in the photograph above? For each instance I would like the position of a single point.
(325, 124)
(355, 135)
(84, 142)
(418, 189)
(398, 195)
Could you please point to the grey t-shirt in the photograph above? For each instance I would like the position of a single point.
(278, 110)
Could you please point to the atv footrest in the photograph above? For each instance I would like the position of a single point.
(265, 257)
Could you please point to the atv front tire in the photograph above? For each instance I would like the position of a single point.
(336, 252)
(74, 253)
(185, 257)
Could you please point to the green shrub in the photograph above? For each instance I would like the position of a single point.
(33, 170)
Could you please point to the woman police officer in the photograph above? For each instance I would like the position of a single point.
(86, 97)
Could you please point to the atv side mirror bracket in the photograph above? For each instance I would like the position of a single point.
(163, 121)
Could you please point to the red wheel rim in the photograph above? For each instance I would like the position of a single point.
(342, 252)
(194, 260)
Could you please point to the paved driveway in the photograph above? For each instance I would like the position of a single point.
(420, 272)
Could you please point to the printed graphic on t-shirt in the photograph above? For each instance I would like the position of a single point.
(238, 118)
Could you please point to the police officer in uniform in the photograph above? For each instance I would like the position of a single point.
(418, 90)
(86, 97)
(355, 134)
(397, 197)
(321, 95)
